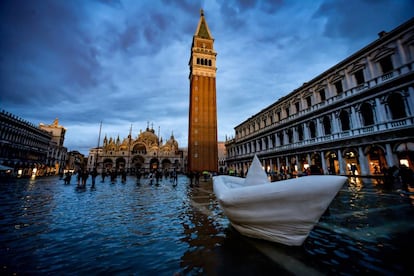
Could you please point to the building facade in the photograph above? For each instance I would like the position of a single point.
(222, 157)
(145, 153)
(75, 161)
(57, 154)
(202, 130)
(28, 149)
(357, 116)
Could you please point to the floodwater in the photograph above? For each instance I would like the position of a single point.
(48, 227)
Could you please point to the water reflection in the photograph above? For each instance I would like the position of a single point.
(47, 228)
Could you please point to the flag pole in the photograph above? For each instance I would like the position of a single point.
(129, 149)
(97, 149)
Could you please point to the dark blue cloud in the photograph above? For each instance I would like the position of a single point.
(126, 62)
(353, 20)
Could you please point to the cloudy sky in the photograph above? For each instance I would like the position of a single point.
(126, 62)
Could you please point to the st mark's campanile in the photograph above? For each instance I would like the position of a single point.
(202, 129)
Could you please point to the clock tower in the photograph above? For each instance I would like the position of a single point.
(202, 127)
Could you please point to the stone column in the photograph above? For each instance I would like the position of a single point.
(309, 159)
(346, 83)
(298, 163)
(287, 163)
(342, 164)
(295, 135)
(409, 101)
(278, 163)
(277, 140)
(335, 124)
(391, 158)
(285, 138)
(411, 98)
(323, 162)
(354, 119)
(379, 111)
(319, 128)
(363, 164)
(305, 131)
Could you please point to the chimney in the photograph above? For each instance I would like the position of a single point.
(382, 34)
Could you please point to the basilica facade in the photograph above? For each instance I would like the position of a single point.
(356, 117)
(145, 153)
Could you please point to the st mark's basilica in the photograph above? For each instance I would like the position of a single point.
(146, 152)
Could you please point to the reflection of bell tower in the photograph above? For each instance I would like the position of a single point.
(202, 130)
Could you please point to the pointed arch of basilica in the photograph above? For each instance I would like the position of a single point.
(120, 163)
(138, 162)
(166, 164)
(154, 164)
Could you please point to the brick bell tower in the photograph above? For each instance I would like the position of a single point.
(202, 129)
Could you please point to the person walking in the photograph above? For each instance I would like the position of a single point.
(113, 176)
(94, 174)
(103, 175)
(79, 176)
(138, 176)
(197, 178)
(175, 177)
(85, 175)
(123, 175)
(68, 176)
(191, 176)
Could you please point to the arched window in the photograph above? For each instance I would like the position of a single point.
(397, 108)
(209, 62)
(290, 135)
(344, 118)
(280, 135)
(202, 61)
(300, 132)
(198, 60)
(312, 129)
(327, 125)
(367, 114)
(259, 145)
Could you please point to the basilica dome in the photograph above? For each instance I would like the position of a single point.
(172, 142)
(148, 137)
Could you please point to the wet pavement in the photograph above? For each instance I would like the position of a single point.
(48, 227)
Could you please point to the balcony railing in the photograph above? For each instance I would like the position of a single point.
(345, 135)
(387, 76)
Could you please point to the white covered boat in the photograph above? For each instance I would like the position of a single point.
(283, 211)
